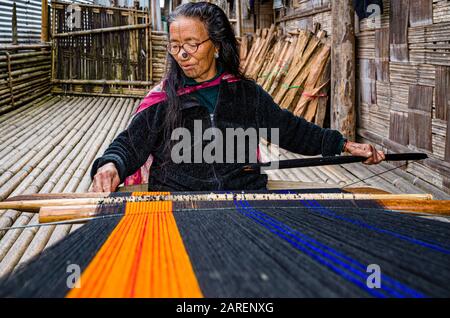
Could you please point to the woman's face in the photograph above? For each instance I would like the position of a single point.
(200, 65)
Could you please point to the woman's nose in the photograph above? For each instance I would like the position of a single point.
(183, 53)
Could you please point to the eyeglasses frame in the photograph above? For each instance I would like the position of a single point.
(182, 46)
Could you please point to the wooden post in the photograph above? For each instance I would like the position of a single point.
(15, 39)
(156, 15)
(238, 18)
(44, 21)
(343, 115)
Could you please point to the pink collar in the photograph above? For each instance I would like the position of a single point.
(157, 94)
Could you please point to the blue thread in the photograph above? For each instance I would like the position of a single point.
(325, 211)
(385, 278)
(397, 284)
(317, 258)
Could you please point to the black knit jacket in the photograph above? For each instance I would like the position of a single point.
(242, 104)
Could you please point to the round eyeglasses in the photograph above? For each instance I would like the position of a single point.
(190, 48)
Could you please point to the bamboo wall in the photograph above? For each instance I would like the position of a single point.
(304, 14)
(24, 74)
(403, 79)
(404, 83)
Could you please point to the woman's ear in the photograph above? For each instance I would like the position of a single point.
(216, 52)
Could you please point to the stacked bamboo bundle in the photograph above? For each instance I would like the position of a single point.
(244, 46)
(294, 69)
(159, 53)
(24, 74)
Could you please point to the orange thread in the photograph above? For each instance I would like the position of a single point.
(144, 256)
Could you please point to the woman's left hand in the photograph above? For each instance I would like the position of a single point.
(373, 155)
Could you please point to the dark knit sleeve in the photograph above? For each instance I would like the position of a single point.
(132, 147)
(295, 133)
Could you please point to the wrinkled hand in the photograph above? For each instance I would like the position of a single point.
(106, 179)
(365, 150)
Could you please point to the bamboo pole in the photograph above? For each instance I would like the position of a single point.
(44, 21)
(139, 94)
(22, 55)
(53, 196)
(15, 47)
(35, 205)
(79, 212)
(102, 82)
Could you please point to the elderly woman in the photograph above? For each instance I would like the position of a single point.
(204, 89)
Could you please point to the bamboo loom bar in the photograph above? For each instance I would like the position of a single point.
(49, 214)
(35, 205)
(50, 196)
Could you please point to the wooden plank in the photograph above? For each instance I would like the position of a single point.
(382, 54)
(343, 91)
(419, 117)
(420, 12)
(420, 97)
(399, 18)
(367, 81)
(398, 131)
(442, 91)
(447, 140)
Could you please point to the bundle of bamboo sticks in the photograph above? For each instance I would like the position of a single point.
(294, 68)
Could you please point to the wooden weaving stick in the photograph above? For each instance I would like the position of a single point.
(279, 185)
(49, 214)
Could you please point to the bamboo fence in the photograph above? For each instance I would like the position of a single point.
(109, 53)
(24, 74)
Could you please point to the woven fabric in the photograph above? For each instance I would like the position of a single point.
(245, 249)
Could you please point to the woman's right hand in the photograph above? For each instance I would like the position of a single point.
(106, 179)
